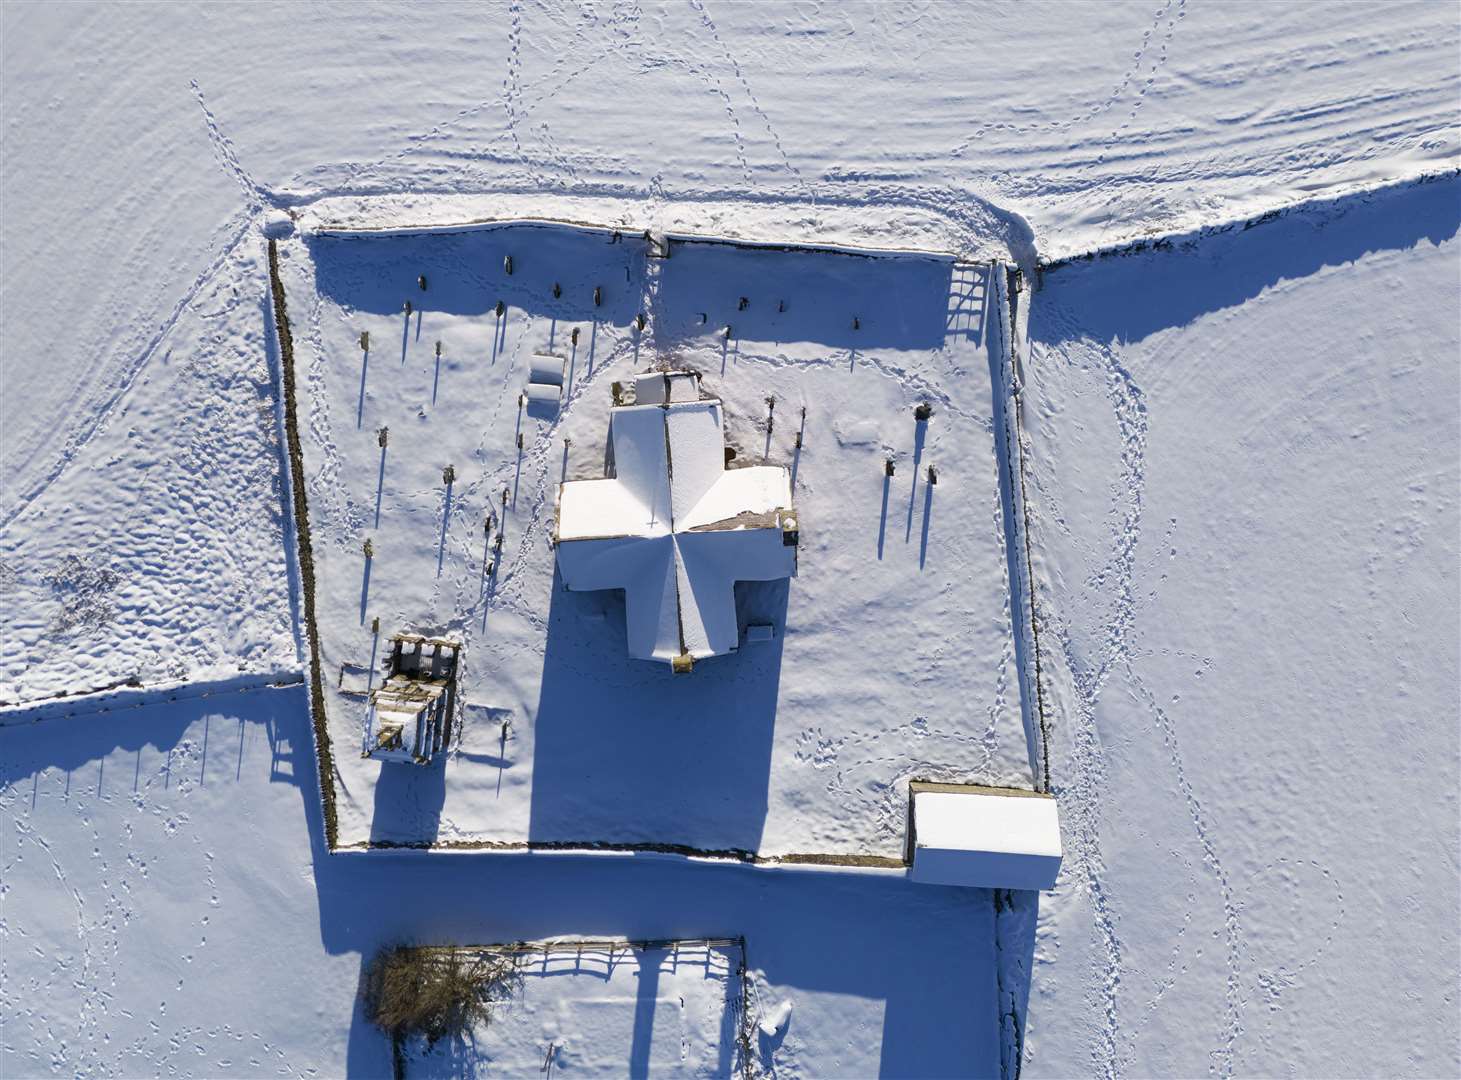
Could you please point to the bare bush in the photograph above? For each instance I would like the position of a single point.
(434, 992)
(83, 588)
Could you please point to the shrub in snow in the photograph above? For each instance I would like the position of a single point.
(83, 588)
(433, 992)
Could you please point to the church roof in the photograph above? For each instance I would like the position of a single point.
(674, 528)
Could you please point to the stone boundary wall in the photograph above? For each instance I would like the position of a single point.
(294, 477)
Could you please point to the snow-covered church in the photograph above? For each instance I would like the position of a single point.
(673, 526)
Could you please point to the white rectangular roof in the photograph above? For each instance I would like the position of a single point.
(985, 837)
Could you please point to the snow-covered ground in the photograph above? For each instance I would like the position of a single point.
(1245, 451)
(169, 909)
(800, 745)
(1241, 469)
(157, 555)
(139, 137)
(573, 1007)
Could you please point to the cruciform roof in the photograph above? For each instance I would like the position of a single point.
(674, 528)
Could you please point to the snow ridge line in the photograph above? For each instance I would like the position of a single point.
(972, 222)
(304, 548)
(1303, 204)
(136, 695)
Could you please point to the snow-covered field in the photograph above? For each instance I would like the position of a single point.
(1245, 451)
(158, 556)
(169, 908)
(1240, 464)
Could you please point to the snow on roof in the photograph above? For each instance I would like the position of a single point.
(674, 529)
(988, 837)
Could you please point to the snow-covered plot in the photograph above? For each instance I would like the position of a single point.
(169, 908)
(606, 1009)
(155, 555)
(1254, 654)
(892, 652)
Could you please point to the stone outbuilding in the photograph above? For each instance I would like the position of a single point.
(410, 713)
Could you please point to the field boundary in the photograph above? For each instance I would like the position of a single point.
(1185, 238)
(734, 856)
(304, 548)
(1020, 553)
(667, 238)
(127, 694)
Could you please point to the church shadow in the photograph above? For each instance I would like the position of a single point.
(928, 952)
(627, 753)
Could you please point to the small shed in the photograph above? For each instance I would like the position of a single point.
(987, 837)
(410, 713)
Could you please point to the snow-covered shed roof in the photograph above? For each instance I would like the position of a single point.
(674, 528)
(997, 838)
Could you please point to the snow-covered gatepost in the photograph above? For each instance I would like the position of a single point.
(410, 713)
(672, 526)
(988, 837)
